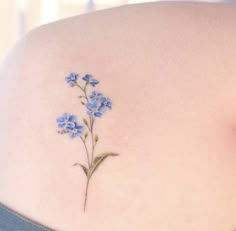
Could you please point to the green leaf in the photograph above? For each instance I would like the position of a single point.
(98, 160)
(83, 167)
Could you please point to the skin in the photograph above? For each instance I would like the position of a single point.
(170, 70)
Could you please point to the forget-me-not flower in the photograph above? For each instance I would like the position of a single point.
(66, 121)
(94, 109)
(69, 125)
(72, 78)
(96, 96)
(90, 80)
(98, 104)
(106, 102)
(77, 130)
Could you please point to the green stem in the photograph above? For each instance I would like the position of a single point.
(90, 127)
(84, 90)
(86, 149)
(76, 84)
(86, 194)
(92, 136)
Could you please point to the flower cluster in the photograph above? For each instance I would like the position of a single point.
(72, 78)
(98, 104)
(90, 80)
(69, 125)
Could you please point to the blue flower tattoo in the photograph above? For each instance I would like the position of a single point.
(66, 121)
(72, 78)
(90, 80)
(98, 104)
(95, 104)
(95, 96)
(77, 130)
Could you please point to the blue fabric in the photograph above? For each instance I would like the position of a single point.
(12, 221)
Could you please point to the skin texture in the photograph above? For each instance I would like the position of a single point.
(170, 70)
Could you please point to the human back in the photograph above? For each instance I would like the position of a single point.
(168, 69)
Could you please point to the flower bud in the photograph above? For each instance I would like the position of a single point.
(96, 138)
(83, 103)
(86, 135)
(85, 121)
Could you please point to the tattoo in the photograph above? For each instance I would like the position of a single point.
(96, 105)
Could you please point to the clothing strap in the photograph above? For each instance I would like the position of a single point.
(13, 221)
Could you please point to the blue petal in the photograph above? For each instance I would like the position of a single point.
(60, 119)
(74, 75)
(98, 114)
(79, 127)
(109, 105)
(72, 135)
(61, 125)
(72, 118)
(66, 116)
(102, 108)
(91, 106)
(87, 77)
(92, 95)
(95, 96)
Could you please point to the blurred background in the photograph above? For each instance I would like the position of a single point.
(17, 17)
